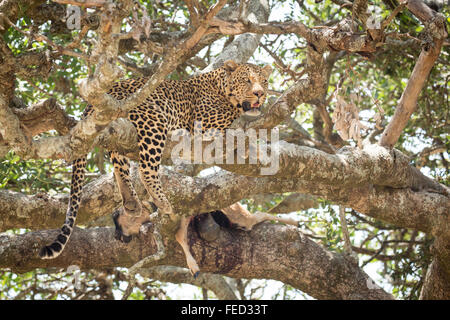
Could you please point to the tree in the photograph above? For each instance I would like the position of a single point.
(361, 102)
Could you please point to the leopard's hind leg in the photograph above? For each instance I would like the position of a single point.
(182, 239)
(130, 200)
(130, 217)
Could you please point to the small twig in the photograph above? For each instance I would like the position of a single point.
(129, 65)
(203, 25)
(295, 75)
(375, 255)
(316, 19)
(40, 37)
(80, 37)
(347, 242)
(39, 89)
(193, 13)
(396, 11)
(274, 92)
(325, 146)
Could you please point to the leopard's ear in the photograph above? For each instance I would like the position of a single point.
(230, 65)
(267, 70)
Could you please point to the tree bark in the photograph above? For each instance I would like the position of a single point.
(288, 256)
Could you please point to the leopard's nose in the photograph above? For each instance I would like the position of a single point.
(258, 93)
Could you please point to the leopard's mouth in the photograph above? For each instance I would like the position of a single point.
(247, 106)
(251, 109)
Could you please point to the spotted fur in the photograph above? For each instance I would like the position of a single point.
(215, 99)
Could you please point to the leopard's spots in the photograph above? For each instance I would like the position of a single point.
(213, 100)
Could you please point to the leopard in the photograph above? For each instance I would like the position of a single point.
(214, 99)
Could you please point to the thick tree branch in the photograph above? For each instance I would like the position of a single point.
(403, 207)
(295, 202)
(437, 281)
(44, 116)
(243, 46)
(436, 29)
(422, 211)
(289, 257)
(11, 128)
(339, 37)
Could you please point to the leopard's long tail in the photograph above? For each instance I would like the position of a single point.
(78, 172)
(55, 249)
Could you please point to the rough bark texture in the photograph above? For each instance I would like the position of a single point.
(267, 252)
(423, 210)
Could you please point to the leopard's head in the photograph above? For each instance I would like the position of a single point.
(247, 85)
